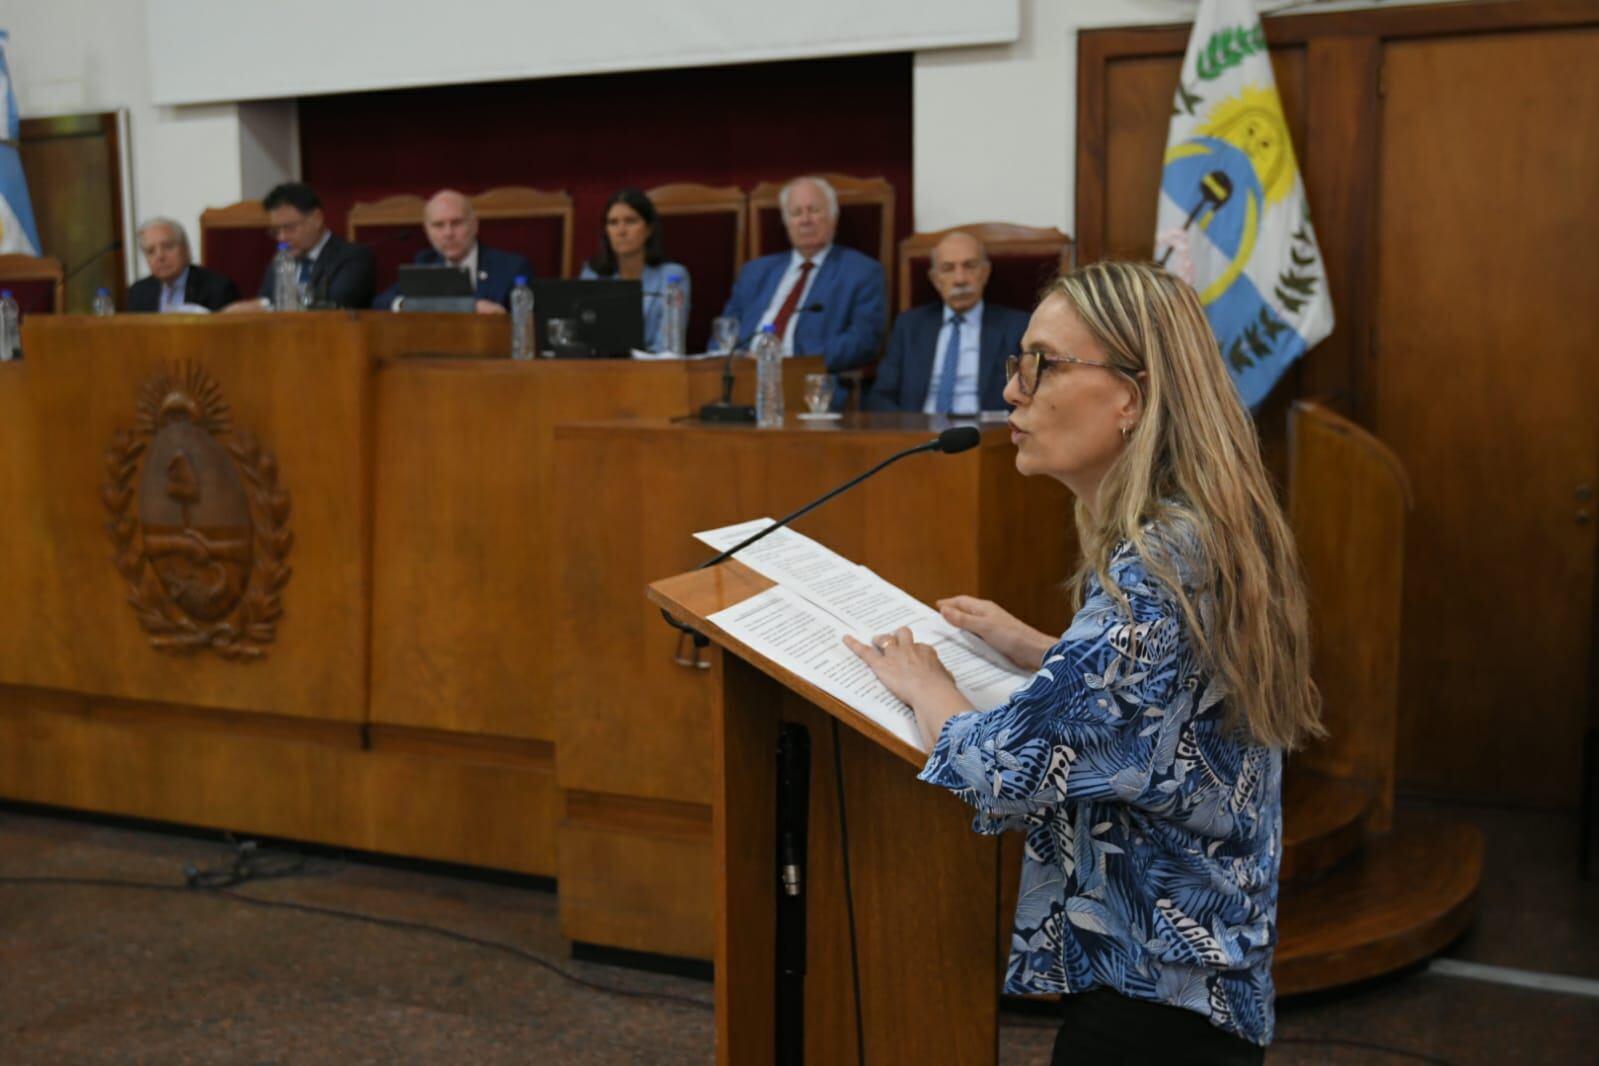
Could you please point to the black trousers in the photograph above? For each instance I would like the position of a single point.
(1103, 1028)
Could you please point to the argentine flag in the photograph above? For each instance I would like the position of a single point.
(18, 234)
(1233, 220)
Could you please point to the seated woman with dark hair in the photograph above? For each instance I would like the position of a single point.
(631, 247)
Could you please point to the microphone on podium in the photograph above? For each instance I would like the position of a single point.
(952, 440)
(725, 410)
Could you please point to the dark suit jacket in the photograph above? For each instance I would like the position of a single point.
(344, 275)
(847, 331)
(906, 371)
(497, 272)
(204, 287)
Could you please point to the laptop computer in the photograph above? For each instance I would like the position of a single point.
(436, 288)
(609, 315)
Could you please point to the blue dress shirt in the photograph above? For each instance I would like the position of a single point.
(172, 294)
(966, 402)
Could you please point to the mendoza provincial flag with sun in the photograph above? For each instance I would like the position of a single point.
(1233, 219)
(17, 231)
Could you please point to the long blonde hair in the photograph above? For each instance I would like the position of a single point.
(1192, 464)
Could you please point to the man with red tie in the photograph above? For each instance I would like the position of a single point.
(822, 298)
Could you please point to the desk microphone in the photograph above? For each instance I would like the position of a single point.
(952, 440)
(725, 410)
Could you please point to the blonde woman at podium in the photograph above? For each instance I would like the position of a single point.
(1144, 758)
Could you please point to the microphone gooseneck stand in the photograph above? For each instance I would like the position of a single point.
(725, 410)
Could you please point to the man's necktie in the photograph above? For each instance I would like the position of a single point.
(946, 378)
(305, 269)
(790, 302)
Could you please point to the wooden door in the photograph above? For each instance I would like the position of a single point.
(73, 164)
(1487, 342)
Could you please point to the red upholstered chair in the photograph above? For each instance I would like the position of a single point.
(538, 224)
(1024, 260)
(36, 283)
(703, 227)
(392, 228)
(865, 218)
(234, 242)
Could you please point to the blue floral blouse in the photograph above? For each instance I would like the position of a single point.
(1153, 835)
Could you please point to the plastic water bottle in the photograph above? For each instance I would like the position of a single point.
(521, 320)
(285, 280)
(10, 329)
(674, 316)
(768, 352)
(103, 305)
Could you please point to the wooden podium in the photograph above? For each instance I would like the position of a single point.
(925, 887)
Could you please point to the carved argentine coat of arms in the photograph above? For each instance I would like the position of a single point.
(199, 523)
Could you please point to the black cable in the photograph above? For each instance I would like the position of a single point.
(386, 923)
(849, 897)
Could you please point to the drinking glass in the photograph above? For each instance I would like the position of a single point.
(819, 392)
(724, 333)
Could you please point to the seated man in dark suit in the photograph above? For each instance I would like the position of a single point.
(824, 299)
(175, 283)
(339, 273)
(451, 228)
(949, 357)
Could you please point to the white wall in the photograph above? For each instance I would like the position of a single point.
(208, 51)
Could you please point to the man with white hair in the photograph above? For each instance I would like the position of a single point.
(949, 357)
(175, 282)
(451, 227)
(822, 298)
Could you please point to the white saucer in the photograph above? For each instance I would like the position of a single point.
(824, 416)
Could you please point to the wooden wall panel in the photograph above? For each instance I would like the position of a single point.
(465, 554)
(1489, 392)
(301, 387)
(287, 777)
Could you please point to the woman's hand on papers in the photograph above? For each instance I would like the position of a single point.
(912, 672)
(1003, 631)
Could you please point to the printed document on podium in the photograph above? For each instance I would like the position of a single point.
(820, 596)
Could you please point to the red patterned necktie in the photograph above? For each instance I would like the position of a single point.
(791, 301)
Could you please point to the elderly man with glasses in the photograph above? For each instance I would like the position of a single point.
(821, 298)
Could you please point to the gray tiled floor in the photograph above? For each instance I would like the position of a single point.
(103, 974)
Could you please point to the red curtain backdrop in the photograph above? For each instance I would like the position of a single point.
(591, 135)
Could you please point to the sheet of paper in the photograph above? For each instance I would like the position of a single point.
(863, 604)
(846, 589)
(807, 641)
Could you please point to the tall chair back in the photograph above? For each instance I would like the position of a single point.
(865, 218)
(704, 227)
(234, 242)
(1024, 260)
(1348, 496)
(36, 282)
